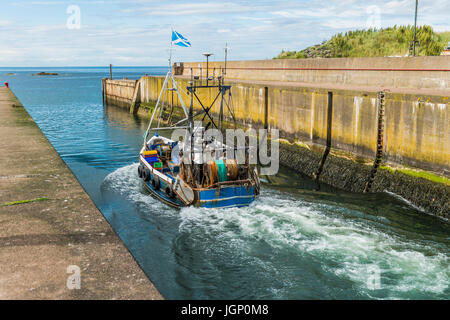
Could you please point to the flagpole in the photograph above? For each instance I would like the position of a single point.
(170, 59)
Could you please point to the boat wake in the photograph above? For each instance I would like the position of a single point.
(126, 183)
(290, 248)
(343, 245)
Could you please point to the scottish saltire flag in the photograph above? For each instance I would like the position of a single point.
(179, 40)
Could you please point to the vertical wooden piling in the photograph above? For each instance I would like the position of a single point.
(328, 146)
(135, 103)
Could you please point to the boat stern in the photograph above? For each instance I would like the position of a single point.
(226, 196)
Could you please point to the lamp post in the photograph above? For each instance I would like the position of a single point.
(415, 23)
(226, 55)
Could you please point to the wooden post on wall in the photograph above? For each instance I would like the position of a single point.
(316, 175)
(135, 103)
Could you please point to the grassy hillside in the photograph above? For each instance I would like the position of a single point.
(444, 37)
(374, 43)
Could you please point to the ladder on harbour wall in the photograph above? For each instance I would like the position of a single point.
(380, 134)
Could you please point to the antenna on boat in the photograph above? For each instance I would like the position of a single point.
(226, 55)
(207, 55)
(221, 84)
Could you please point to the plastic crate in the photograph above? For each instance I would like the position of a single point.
(151, 159)
(157, 165)
(149, 153)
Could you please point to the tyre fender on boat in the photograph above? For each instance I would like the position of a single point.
(170, 193)
(155, 183)
(140, 171)
(146, 174)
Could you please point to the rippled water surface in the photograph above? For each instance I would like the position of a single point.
(292, 243)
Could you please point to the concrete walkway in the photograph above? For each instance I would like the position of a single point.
(40, 240)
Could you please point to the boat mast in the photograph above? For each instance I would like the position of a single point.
(221, 83)
(169, 77)
(226, 55)
(191, 124)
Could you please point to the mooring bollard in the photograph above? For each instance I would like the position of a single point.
(6, 84)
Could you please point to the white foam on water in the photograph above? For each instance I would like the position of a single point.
(409, 203)
(347, 243)
(412, 205)
(125, 181)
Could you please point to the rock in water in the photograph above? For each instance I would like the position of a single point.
(45, 74)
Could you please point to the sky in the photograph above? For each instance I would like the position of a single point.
(137, 32)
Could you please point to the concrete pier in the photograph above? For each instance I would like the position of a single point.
(39, 240)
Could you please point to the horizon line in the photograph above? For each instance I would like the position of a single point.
(102, 66)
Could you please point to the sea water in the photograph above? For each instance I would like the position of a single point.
(291, 243)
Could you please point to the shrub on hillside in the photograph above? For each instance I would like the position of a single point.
(392, 41)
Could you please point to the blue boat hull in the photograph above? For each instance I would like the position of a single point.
(226, 197)
(161, 195)
(230, 196)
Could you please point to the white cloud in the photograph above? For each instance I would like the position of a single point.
(344, 24)
(137, 32)
(4, 23)
(302, 13)
(395, 6)
(186, 9)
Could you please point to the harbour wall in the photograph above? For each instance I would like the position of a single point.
(415, 131)
(393, 72)
(119, 92)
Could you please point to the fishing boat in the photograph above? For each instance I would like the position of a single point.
(196, 169)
